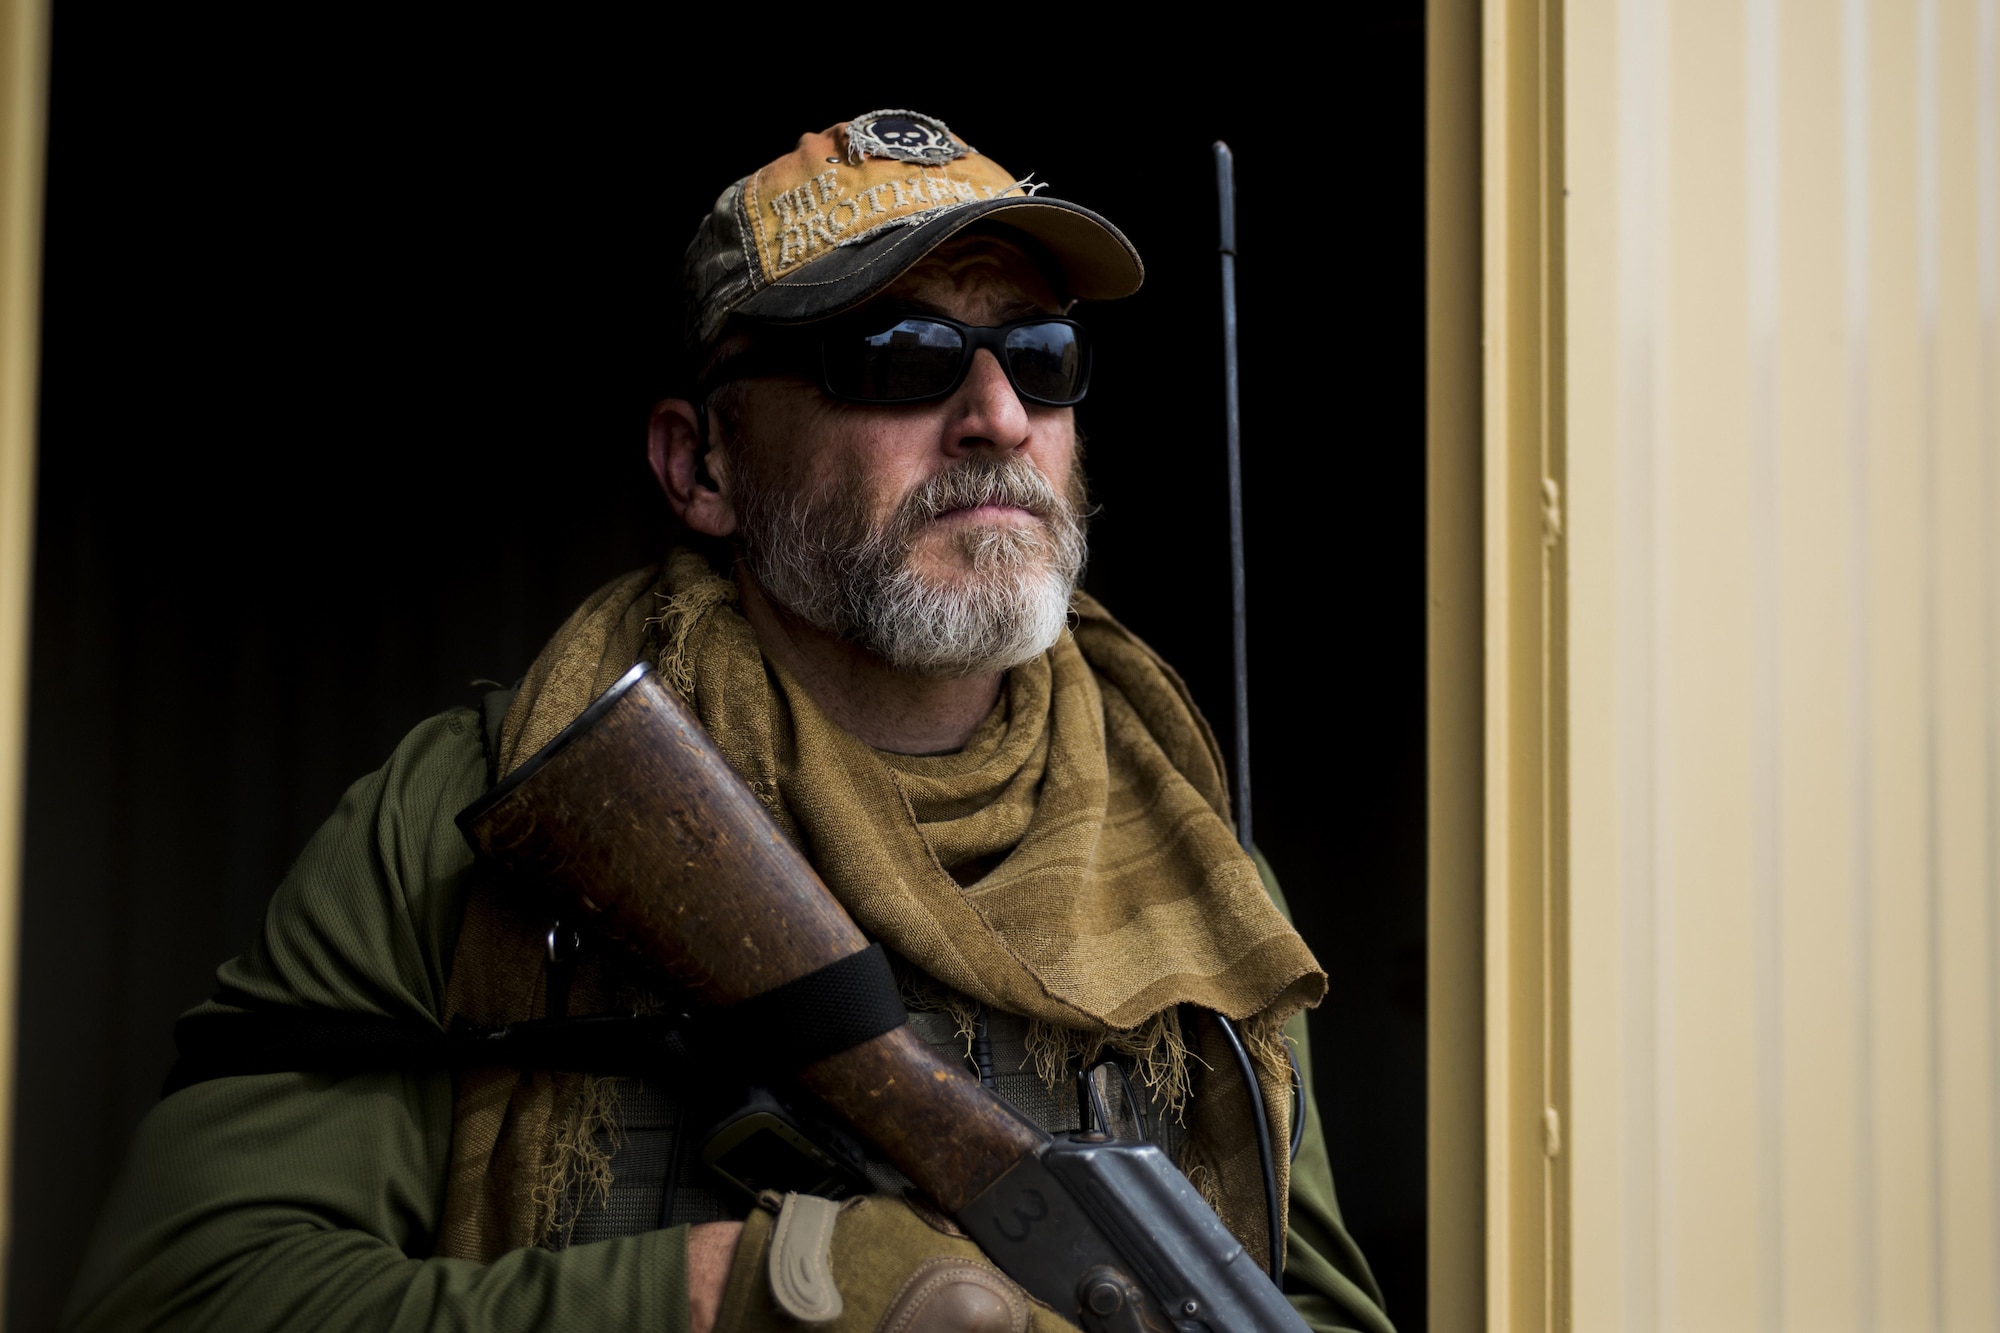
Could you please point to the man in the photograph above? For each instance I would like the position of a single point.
(875, 616)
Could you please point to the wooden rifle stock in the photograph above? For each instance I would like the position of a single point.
(635, 816)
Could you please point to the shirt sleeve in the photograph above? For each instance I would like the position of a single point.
(1326, 1277)
(281, 1201)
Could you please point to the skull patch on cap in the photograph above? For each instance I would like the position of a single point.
(905, 136)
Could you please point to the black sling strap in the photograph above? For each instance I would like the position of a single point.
(272, 1040)
(819, 1014)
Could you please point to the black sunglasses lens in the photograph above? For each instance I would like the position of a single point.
(1049, 362)
(917, 358)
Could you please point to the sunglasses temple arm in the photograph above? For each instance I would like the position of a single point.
(1225, 185)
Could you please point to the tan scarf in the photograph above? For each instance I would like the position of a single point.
(1087, 817)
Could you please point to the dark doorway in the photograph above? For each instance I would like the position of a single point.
(351, 331)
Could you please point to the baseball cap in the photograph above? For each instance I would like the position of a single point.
(847, 211)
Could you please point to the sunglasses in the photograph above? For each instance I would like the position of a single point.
(922, 358)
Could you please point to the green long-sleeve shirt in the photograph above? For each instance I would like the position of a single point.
(286, 1201)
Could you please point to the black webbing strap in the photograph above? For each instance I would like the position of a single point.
(807, 1019)
(285, 1039)
(819, 1014)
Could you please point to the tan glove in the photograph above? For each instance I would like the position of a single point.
(878, 1264)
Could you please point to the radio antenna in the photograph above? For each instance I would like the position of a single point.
(1225, 187)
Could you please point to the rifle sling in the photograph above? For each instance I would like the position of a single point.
(822, 1013)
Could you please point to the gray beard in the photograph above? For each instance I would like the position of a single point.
(818, 555)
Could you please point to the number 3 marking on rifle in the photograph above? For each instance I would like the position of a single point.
(1027, 1220)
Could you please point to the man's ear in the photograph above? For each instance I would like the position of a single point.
(697, 488)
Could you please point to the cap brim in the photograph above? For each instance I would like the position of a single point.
(1098, 263)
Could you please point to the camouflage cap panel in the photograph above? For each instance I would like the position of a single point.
(847, 186)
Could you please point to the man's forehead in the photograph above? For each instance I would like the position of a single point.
(990, 272)
(990, 305)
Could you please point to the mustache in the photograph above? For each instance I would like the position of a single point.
(1010, 481)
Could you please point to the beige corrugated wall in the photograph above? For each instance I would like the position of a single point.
(1782, 421)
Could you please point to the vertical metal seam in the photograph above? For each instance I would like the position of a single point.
(1760, 160)
(1856, 247)
(1544, 256)
(1639, 730)
(1660, 568)
(1988, 168)
(1504, 1241)
(1454, 1016)
(24, 125)
(1556, 1035)
(1928, 203)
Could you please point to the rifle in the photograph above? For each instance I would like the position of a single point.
(632, 813)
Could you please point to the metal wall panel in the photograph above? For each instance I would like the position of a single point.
(1782, 224)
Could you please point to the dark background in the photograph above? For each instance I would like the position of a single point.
(351, 331)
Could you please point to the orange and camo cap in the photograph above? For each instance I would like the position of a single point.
(844, 214)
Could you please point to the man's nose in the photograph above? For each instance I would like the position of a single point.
(988, 413)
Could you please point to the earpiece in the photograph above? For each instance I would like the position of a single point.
(702, 476)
